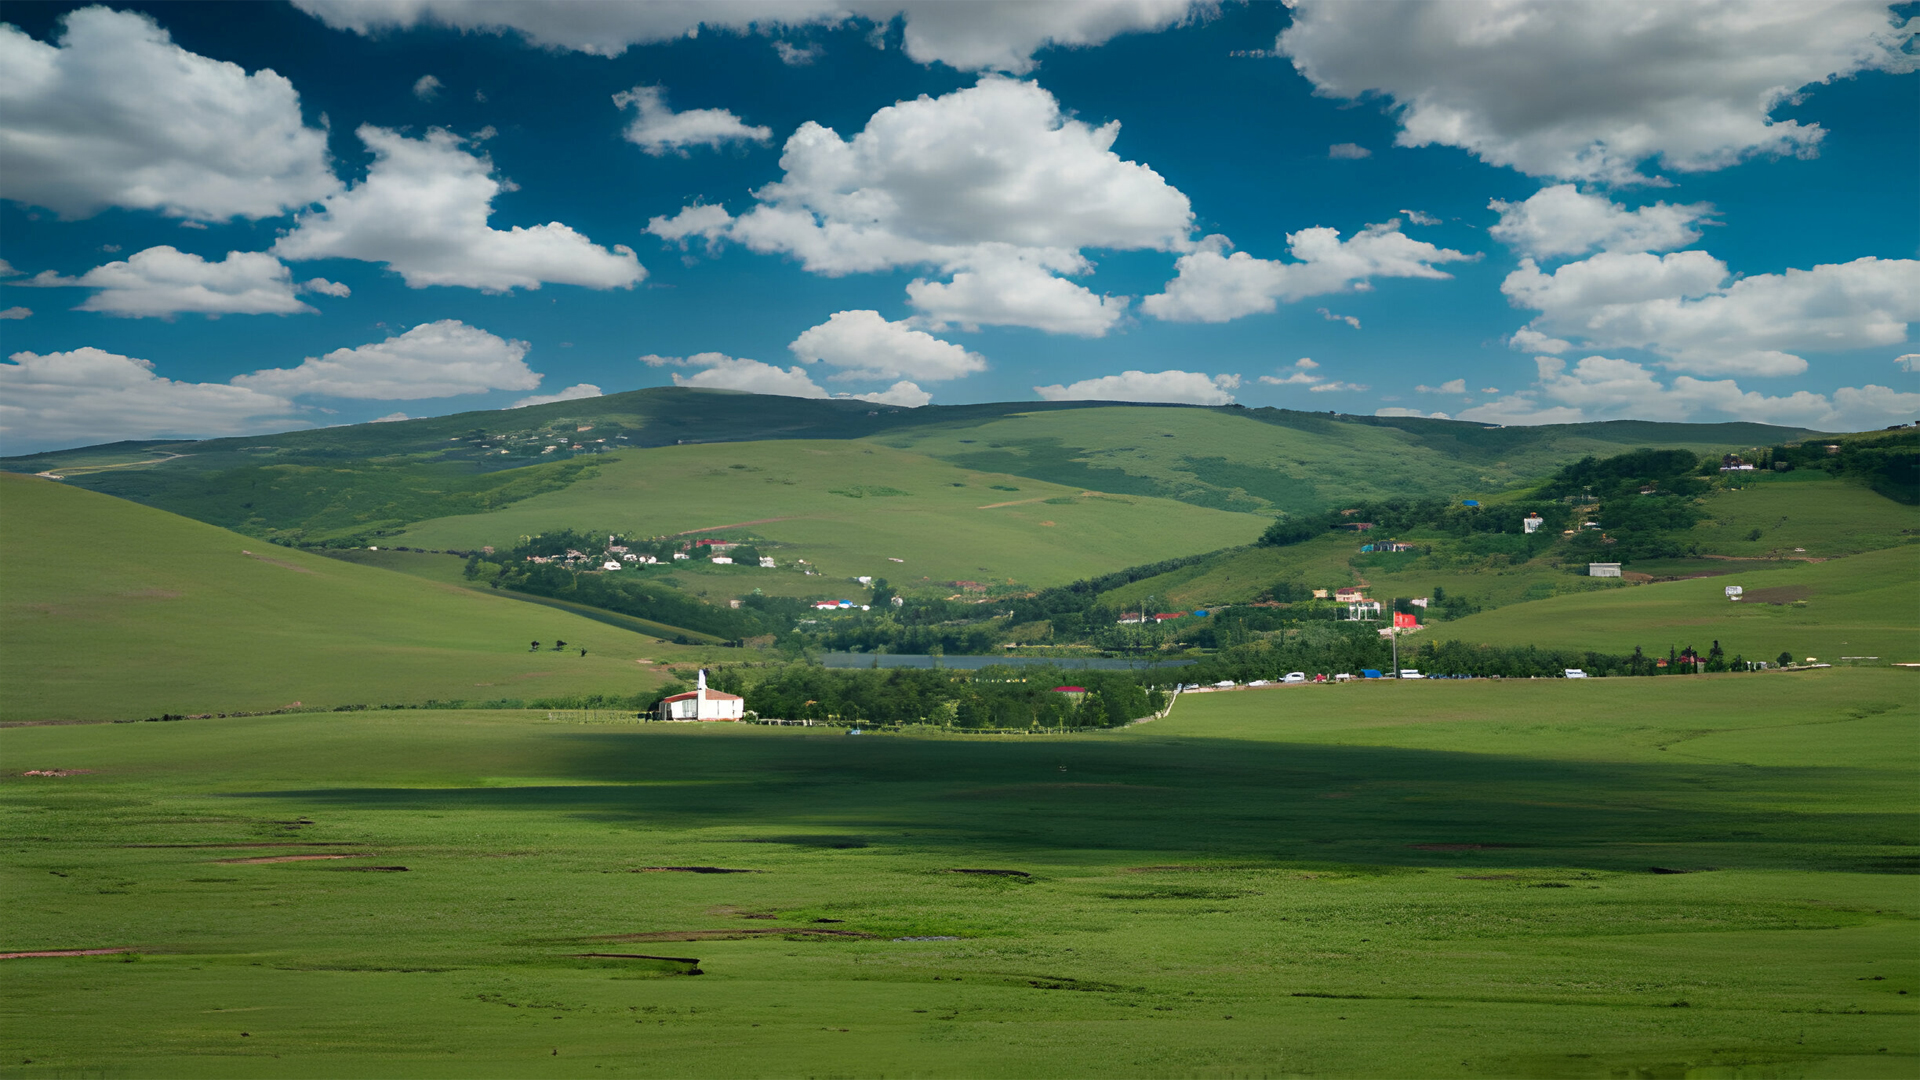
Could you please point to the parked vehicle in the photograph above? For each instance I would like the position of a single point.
(1576, 673)
(1343, 677)
(1410, 673)
(1294, 677)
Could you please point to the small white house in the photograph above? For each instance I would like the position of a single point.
(1603, 569)
(766, 562)
(1532, 522)
(722, 560)
(701, 703)
(610, 564)
(1734, 592)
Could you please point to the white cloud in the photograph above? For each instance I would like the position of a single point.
(1489, 389)
(426, 88)
(999, 287)
(999, 35)
(1453, 386)
(423, 211)
(1332, 317)
(902, 393)
(16, 313)
(89, 395)
(1418, 217)
(1211, 286)
(118, 115)
(571, 393)
(438, 359)
(992, 185)
(1395, 410)
(720, 372)
(1683, 307)
(1590, 89)
(390, 418)
(1189, 387)
(1908, 362)
(1605, 388)
(1337, 387)
(1527, 339)
(324, 287)
(1302, 375)
(1559, 220)
(866, 346)
(659, 130)
(164, 281)
(796, 55)
(1347, 151)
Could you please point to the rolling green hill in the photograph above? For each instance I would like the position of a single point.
(352, 485)
(849, 508)
(112, 610)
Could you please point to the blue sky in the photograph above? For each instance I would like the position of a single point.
(230, 218)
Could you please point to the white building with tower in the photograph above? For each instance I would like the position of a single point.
(701, 703)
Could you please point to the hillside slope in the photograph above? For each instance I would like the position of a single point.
(111, 610)
(853, 508)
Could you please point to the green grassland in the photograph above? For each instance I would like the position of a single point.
(1806, 511)
(1861, 605)
(1449, 879)
(847, 507)
(113, 610)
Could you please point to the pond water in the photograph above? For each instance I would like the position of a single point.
(975, 663)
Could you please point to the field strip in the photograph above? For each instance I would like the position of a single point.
(737, 525)
(61, 952)
(1016, 502)
(295, 858)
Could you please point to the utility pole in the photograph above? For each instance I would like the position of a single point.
(1393, 635)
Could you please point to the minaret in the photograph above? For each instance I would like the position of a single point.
(700, 696)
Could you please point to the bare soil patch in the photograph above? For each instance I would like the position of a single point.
(691, 870)
(257, 844)
(636, 956)
(296, 858)
(61, 952)
(56, 772)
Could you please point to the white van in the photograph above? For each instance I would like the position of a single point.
(1294, 677)
(1410, 673)
(1576, 673)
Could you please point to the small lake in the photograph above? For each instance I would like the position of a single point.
(975, 663)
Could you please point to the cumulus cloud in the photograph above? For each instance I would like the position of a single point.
(1908, 362)
(1332, 317)
(571, 393)
(1347, 151)
(1418, 217)
(797, 55)
(423, 210)
(164, 281)
(993, 185)
(1559, 220)
(1188, 387)
(1684, 307)
(90, 395)
(1211, 286)
(1590, 89)
(722, 372)
(437, 359)
(1301, 375)
(1606, 388)
(324, 287)
(116, 115)
(1337, 387)
(865, 346)
(1395, 410)
(17, 312)
(659, 130)
(1452, 386)
(902, 393)
(426, 88)
(1000, 35)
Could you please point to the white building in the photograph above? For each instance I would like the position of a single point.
(1603, 569)
(701, 703)
(1532, 522)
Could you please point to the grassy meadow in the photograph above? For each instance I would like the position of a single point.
(1708, 876)
(848, 507)
(112, 610)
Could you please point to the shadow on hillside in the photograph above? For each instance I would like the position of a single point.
(1194, 799)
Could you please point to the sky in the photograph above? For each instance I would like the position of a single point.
(221, 219)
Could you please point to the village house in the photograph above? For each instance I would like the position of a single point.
(1347, 594)
(1734, 463)
(1360, 610)
(702, 704)
(1532, 522)
(1603, 569)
